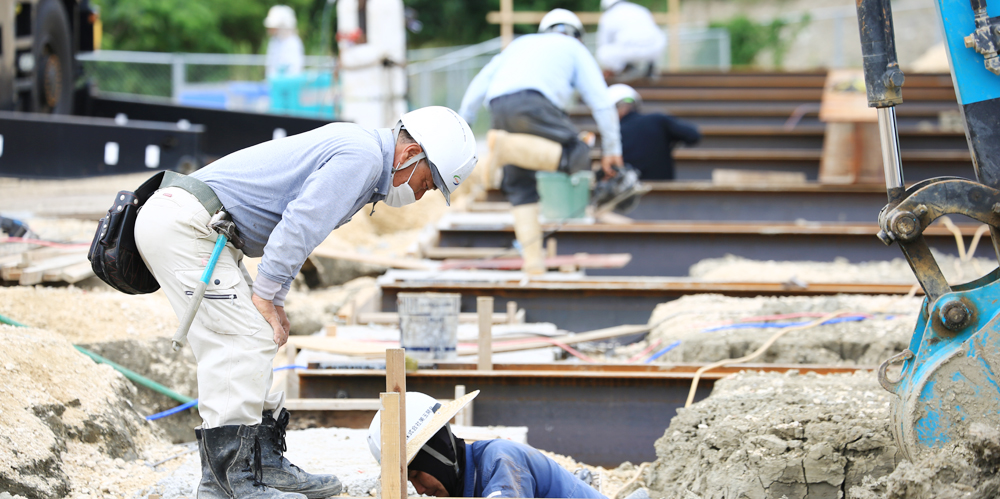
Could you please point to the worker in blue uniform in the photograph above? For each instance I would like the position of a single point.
(648, 139)
(446, 466)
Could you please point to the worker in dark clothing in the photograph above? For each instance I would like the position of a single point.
(648, 140)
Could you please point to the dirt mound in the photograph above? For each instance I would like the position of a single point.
(66, 422)
(714, 327)
(773, 435)
(89, 316)
(967, 470)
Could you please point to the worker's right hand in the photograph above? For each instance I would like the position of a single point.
(283, 319)
(270, 314)
(608, 164)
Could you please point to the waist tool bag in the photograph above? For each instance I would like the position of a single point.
(113, 253)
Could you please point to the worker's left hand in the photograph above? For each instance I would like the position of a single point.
(283, 319)
(608, 164)
(270, 314)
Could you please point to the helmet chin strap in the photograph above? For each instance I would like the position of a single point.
(437, 455)
(395, 137)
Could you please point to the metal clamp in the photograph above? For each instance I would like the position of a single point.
(883, 379)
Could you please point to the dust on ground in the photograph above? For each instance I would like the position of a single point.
(768, 435)
(896, 271)
(709, 327)
(67, 427)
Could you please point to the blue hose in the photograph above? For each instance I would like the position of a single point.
(193, 403)
(665, 349)
(779, 325)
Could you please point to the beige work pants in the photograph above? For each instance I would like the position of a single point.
(231, 341)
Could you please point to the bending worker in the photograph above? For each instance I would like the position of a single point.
(443, 465)
(527, 86)
(285, 197)
(648, 140)
(629, 42)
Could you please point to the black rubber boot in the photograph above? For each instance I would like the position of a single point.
(231, 465)
(282, 474)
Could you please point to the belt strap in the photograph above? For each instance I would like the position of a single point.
(206, 196)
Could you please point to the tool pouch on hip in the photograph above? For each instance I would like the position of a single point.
(113, 253)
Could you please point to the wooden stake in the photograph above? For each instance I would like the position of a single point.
(464, 417)
(674, 11)
(484, 306)
(512, 312)
(395, 382)
(550, 247)
(393, 449)
(506, 22)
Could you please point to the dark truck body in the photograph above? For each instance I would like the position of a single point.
(54, 123)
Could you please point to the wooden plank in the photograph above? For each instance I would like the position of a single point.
(292, 379)
(76, 273)
(385, 261)
(393, 318)
(299, 404)
(580, 260)
(484, 306)
(439, 253)
(34, 274)
(393, 449)
(722, 176)
(844, 98)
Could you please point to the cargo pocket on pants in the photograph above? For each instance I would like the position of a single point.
(226, 306)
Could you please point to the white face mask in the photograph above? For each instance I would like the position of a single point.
(403, 195)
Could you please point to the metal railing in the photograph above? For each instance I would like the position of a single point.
(175, 75)
(437, 76)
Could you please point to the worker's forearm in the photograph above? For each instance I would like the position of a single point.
(607, 123)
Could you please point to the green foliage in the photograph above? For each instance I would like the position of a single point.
(235, 26)
(748, 38)
(196, 25)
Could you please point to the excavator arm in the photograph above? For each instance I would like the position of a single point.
(950, 375)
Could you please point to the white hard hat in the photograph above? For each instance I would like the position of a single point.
(606, 4)
(563, 17)
(280, 17)
(447, 141)
(424, 417)
(620, 91)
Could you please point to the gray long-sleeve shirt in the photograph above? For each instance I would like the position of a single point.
(287, 195)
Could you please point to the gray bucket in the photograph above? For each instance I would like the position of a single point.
(428, 323)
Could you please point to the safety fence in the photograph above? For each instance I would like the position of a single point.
(437, 76)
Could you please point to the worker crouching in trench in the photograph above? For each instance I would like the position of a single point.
(443, 465)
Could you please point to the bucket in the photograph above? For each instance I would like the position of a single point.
(428, 323)
(563, 197)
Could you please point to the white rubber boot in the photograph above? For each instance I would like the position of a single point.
(528, 231)
(527, 151)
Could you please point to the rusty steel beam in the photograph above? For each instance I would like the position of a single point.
(602, 415)
(669, 249)
(599, 303)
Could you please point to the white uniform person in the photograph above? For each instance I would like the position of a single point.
(629, 42)
(285, 55)
(285, 197)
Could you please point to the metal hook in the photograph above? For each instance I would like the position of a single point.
(890, 386)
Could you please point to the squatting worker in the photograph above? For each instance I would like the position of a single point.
(527, 86)
(648, 139)
(285, 197)
(443, 465)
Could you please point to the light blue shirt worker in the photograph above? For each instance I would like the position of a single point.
(554, 65)
(286, 196)
(501, 468)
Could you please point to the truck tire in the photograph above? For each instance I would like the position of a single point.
(53, 89)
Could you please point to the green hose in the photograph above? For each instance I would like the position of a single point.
(132, 375)
(136, 377)
(9, 321)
